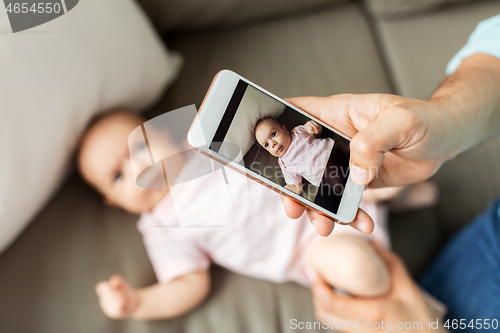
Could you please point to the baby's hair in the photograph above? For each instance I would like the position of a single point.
(257, 124)
(268, 119)
(261, 120)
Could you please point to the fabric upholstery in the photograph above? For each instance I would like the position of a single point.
(169, 15)
(399, 8)
(323, 52)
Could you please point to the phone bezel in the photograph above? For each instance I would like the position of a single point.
(207, 121)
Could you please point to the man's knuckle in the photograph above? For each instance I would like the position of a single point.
(407, 115)
(361, 144)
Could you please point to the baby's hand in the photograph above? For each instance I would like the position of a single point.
(297, 188)
(117, 299)
(313, 127)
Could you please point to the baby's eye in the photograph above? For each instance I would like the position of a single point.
(273, 134)
(117, 176)
(266, 145)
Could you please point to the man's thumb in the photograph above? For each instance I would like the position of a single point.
(368, 147)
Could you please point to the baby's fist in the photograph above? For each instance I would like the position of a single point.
(117, 299)
(313, 127)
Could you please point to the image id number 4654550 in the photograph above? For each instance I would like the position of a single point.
(36, 8)
(478, 324)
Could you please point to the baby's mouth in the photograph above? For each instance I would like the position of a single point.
(279, 150)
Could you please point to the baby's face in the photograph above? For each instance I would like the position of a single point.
(104, 162)
(273, 136)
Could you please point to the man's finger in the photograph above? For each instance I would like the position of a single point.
(293, 209)
(312, 105)
(363, 222)
(337, 110)
(369, 145)
(323, 224)
(338, 305)
(395, 264)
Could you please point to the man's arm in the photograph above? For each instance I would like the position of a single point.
(471, 98)
(400, 141)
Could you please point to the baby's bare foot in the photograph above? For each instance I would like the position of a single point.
(385, 194)
(417, 196)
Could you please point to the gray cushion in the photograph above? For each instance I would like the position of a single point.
(48, 275)
(319, 53)
(398, 8)
(169, 15)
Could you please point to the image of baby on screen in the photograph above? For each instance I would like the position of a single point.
(301, 154)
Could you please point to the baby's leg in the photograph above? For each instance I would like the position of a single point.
(350, 264)
(403, 198)
(382, 194)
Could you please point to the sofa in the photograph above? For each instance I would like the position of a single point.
(291, 48)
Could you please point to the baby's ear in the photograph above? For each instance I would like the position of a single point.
(285, 128)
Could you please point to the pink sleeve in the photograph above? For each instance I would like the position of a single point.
(301, 129)
(173, 255)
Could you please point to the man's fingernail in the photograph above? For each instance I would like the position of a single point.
(359, 175)
(361, 227)
(315, 224)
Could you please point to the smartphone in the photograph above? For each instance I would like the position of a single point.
(276, 144)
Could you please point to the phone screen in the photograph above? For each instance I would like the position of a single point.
(284, 146)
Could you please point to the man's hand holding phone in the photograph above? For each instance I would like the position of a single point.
(267, 133)
(411, 152)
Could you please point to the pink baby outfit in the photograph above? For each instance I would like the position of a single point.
(255, 238)
(307, 157)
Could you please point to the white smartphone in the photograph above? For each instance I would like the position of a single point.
(276, 144)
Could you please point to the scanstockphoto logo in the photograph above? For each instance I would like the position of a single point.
(26, 14)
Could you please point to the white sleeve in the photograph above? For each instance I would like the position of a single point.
(484, 39)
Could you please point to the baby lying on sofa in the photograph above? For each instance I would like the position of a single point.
(300, 153)
(258, 239)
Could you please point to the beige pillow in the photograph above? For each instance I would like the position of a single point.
(103, 54)
(394, 8)
(254, 106)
